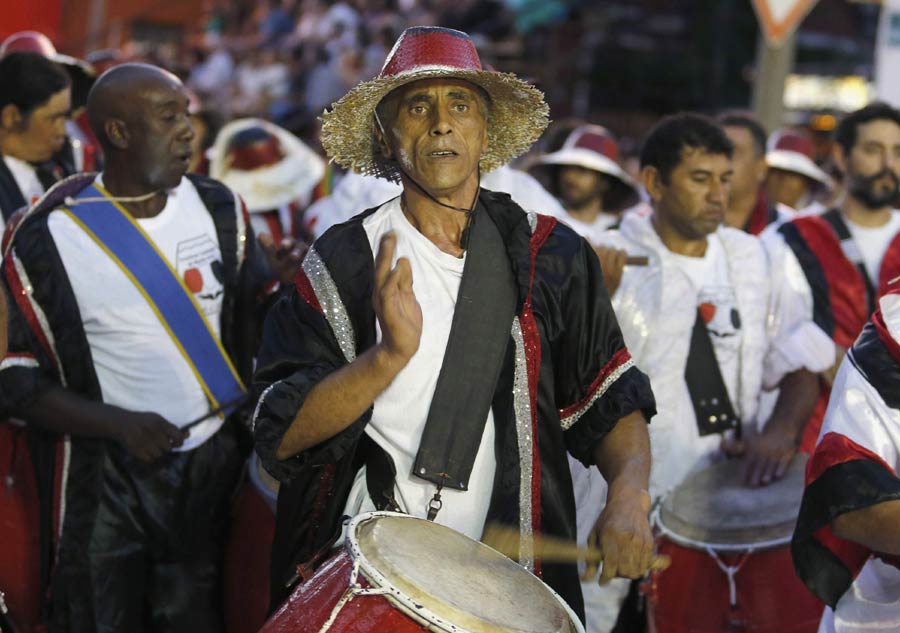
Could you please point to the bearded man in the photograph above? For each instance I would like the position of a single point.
(832, 267)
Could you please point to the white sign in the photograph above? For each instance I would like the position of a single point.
(779, 18)
(887, 53)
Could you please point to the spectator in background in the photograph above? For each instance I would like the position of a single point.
(35, 102)
(793, 177)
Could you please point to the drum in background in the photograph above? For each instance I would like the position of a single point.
(249, 551)
(20, 549)
(403, 574)
(731, 561)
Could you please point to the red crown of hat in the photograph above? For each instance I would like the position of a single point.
(791, 141)
(431, 47)
(28, 42)
(596, 139)
(254, 148)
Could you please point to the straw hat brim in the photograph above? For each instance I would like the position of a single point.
(289, 180)
(517, 118)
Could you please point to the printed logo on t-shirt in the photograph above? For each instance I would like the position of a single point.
(718, 309)
(199, 263)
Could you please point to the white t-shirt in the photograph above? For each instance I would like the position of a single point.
(718, 307)
(138, 366)
(591, 231)
(873, 242)
(26, 177)
(401, 410)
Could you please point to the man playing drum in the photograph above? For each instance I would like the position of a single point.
(696, 317)
(847, 542)
(358, 412)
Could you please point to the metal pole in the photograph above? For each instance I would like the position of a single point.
(773, 65)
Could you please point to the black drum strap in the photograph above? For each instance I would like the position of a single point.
(709, 395)
(851, 252)
(479, 335)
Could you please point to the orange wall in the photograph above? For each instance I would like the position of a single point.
(117, 18)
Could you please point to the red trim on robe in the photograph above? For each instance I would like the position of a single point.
(836, 449)
(890, 267)
(532, 340)
(305, 289)
(618, 359)
(846, 286)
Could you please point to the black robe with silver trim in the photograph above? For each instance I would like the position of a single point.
(567, 375)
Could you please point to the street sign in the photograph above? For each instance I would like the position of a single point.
(779, 18)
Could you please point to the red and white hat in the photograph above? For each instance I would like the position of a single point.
(81, 72)
(265, 164)
(517, 117)
(792, 151)
(592, 147)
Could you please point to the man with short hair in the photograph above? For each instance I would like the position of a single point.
(35, 103)
(129, 334)
(831, 267)
(696, 316)
(533, 362)
(748, 207)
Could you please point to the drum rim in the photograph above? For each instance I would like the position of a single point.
(406, 603)
(656, 520)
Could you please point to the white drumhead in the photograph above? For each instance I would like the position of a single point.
(452, 582)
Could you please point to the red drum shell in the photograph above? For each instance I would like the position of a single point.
(20, 550)
(247, 560)
(311, 604)
(692, 595)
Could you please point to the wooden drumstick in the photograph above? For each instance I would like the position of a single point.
(552, 549)
(637, 260)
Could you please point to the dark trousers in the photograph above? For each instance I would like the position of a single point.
(156, 547)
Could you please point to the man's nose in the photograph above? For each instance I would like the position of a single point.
(441, 125)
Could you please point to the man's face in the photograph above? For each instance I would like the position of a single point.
(579, 186)
(437, 132)
(161, 133)
(787, 187)
(693, 201)
(43, 132)
(872, 167)
(749, 166)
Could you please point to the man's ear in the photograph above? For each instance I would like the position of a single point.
(839, 157)
(383, 146)
(117, 133)
(652, 181)
(11, 117)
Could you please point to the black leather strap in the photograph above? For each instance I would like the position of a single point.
(485, 307)
(709, 395)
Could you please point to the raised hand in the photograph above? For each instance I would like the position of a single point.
(284, 258)
(623, 534)
(396, 308)
(612, 263)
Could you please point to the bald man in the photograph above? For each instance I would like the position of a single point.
(127, 354)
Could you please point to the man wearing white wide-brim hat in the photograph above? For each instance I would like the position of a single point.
(793, 175)
(356, 410)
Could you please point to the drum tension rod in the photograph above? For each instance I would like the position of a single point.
(435, 505)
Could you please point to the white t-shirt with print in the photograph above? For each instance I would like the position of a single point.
(400, 412)
(873, 243)
(138, 366)
(718, 307)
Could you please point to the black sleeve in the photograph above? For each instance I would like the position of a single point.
(298, 350)
(596, 381)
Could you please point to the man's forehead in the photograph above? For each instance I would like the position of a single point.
(701, 158)
(162, 91)
(441, 84)
(884, 131)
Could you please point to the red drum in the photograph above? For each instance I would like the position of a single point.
(402, 574)
(731, 561)
(20, 549)
(249, 551)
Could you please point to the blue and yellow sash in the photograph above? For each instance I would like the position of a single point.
(126, 243)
